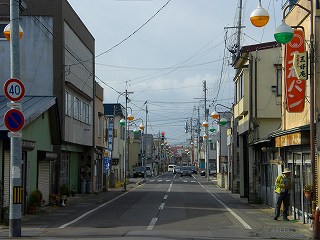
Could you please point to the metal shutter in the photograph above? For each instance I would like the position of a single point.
(44, 180)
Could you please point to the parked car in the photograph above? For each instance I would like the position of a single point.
(185, 171)
(212, 172)
(176, 169)
(138, 172)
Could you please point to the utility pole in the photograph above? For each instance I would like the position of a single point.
(198, 136)
(15, 142)
(206, 153)
(125, 154)
(239, 27)
(146, 117)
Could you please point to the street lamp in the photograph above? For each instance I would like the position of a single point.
(260, 16)
(7, 32)
(284, 33)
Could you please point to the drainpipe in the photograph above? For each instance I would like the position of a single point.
(250, 119)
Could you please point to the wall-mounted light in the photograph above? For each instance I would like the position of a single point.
(274, 89)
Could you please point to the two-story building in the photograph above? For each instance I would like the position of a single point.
(257, 112)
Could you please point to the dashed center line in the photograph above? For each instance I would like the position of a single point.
(161, 206)
(165, 197)
(169, 189)
(152, 223)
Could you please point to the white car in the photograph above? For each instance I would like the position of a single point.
(149, 171)
(171, 167)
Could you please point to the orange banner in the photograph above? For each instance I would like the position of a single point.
(295, 88)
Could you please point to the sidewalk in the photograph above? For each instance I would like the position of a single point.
(293, 229)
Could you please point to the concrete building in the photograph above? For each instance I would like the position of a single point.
(54, 52)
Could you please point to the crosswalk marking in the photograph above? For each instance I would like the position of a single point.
(173, 180)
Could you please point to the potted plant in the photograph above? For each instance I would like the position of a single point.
(64, 193)
(34, 201)
(307, 189)
(54, 199)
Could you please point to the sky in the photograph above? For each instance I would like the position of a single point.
(162, 51)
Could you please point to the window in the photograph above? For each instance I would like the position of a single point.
(3, 24)
(213, 146)
(99, 126)
(64, 169)
(76, 110)
(279, 80)
(68, 104)
(240, 88)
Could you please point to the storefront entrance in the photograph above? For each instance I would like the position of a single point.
(300, 164)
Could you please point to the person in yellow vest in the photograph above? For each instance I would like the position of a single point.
(283, 187)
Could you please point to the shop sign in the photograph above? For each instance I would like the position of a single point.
(294, 87)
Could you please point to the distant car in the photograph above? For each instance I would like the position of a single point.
(194, 170)
(171, 167)
(149, 171)
(138, 172)
(185, 171)
(212, 172)
(176, 169)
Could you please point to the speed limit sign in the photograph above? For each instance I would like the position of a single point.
(14, 89)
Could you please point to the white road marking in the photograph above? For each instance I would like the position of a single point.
(161, 206)
(236, 216)
(165, 196)
(93, 210)
(152, 180)
(168, 180)
(160, 180)
(152, 223)
(169, 189)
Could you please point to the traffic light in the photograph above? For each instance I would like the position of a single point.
(162, 136)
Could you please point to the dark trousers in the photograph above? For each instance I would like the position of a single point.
(285, 198)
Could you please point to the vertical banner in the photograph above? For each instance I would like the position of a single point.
(108, 159)
(110, 134)
(295, 88)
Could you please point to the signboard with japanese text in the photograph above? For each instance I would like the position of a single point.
(295, 88)
(110, 136)
(300, 64)
(106, 164)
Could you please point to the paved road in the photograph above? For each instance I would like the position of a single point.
(166, 207)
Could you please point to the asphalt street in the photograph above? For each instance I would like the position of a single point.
(164, 207)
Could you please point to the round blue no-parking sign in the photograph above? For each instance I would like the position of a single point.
(14, 120)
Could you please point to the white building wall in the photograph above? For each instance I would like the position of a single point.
(79, 79)
(36, 56)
